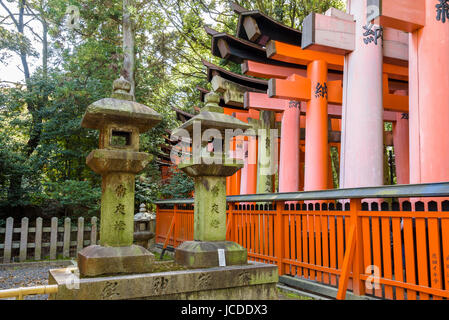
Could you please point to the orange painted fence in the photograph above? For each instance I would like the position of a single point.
(386, 250)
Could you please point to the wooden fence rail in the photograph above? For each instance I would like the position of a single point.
(52, 239)
(391, 250)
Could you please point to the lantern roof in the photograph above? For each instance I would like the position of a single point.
(120, 108)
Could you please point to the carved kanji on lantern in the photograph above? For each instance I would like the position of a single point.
(120, 209)
(120, 191)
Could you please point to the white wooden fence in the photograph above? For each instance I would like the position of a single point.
(56, 233)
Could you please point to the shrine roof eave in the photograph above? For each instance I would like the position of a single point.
(269, 28)
(239, 50)
(181, 113)
(255, 83)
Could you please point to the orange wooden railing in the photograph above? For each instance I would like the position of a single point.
(339, 245)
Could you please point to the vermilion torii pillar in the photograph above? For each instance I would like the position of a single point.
(248, 174)
(401, 144)
(362, 110)
(427, 21)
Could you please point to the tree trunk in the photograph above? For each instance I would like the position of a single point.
(15, 184)
(128, 45)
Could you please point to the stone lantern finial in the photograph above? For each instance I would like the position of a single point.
(212, 100)
(121, 89)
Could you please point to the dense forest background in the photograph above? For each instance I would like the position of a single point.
(42, 145)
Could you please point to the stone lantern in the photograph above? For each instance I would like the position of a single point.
(120, 120)
(144, 230)
(210, 189)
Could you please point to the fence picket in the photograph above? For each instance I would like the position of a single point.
(377, 255)
(8, 240)
(311, 227)
(366, 235)
(409, 256)
(93, 231)
(445, 244)
(298, 242)
(53, 237)
(305, 245)
(386, 250)
(80, 235)
(434, 255)
(10, 249)
(332, 248)
(23, 239)
(340, 242)
(318, 245)
(67, 231)
(38, 239)
(421, 253)
(397, 253)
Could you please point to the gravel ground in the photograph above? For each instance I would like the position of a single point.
(27, 275)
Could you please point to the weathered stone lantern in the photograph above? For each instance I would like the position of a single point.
(210, 190)
(120, 120)
(143, 227)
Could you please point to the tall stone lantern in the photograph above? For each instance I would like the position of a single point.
(120, 120)
(210, 189)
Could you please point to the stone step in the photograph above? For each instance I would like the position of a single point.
(316, 288)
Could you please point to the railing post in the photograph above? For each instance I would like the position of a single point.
(354, 254)
(279, 237)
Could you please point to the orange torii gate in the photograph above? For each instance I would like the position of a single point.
(317, 91)
(289, 88)
(236, 50)
(372, 58)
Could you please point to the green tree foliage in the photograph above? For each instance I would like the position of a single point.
(42, 145)
(179, 186)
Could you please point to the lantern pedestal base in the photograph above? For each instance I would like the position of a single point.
(97, 260)
(204, 254)
(254, 281)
